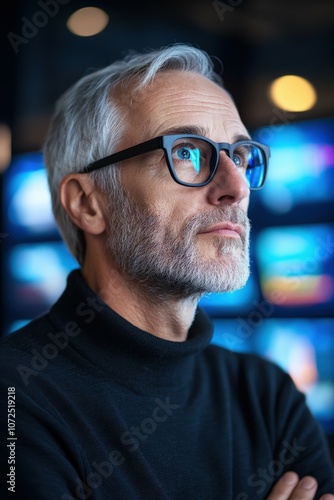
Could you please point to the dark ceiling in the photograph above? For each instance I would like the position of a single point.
(256, 41)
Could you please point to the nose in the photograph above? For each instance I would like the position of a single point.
(229, 184)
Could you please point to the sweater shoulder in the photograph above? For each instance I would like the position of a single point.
(250, 368)
(18, 348)
(27, 336)
(234, 360)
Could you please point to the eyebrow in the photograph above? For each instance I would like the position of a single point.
(241, 137)
(198, 130)
(188, 129)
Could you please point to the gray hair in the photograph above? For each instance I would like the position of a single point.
(89, 121)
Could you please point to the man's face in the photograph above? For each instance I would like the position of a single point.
(177, 240)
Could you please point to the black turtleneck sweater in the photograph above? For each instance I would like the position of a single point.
(105, 411)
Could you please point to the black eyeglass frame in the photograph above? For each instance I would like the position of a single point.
(165, 142)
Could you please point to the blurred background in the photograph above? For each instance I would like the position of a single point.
(276, 58)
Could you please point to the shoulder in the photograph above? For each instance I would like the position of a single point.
(28, 336)
(18, 350)
(261, 390)
(249, 379)
(236, 364)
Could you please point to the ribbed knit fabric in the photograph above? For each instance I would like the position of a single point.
(105, 411)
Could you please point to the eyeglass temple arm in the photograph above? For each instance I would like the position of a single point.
(131, 152)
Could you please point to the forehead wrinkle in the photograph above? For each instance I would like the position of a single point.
(161, 124)
(170, 107)
(167, 107)
(187, 94)
(202, 103)
(188, 99)
(192, 100)
(212, 97)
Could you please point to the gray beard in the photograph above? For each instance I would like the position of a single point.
(147, 253)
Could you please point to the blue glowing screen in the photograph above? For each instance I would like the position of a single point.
(301, 164)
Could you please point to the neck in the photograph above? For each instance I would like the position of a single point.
(169, 318)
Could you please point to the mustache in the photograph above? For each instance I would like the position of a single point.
(231, 214)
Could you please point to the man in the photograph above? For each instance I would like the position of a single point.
(119, 393)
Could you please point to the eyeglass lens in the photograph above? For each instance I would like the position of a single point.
(194, 160)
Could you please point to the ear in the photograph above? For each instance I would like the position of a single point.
(83, 203)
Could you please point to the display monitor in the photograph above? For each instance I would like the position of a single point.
(36, 277)
(301, 164)
(27, 201)
(296, 267)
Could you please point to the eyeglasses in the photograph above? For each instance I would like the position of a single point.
(192, 160)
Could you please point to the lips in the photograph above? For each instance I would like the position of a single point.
(224, 228)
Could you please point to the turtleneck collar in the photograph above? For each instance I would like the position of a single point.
(137, 358)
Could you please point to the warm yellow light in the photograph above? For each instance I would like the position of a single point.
(88, 21)
(5, 147)
(293, 93)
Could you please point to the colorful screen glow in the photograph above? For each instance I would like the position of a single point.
(296, 264)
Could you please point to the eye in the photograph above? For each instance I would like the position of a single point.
(183, 154)
(237, 160)
(241, 157)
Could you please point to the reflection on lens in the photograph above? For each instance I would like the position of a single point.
(256, 167)
(191, 160)
(195, 158)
